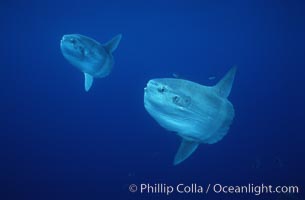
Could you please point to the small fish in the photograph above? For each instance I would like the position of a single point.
(278, 162)
(131, 174)
(211, 77)
(176, 75)
(257, 164)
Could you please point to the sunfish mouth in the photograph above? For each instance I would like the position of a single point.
(151, 84)
(148, 87)
(63, 39)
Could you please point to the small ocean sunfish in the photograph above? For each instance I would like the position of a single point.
(197, 113)
(89, 56)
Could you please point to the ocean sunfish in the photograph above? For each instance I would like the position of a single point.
(197, 113)
(95, 60)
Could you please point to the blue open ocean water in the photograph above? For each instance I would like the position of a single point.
(59, 142)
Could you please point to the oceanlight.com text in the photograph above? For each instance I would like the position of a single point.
(195, 188)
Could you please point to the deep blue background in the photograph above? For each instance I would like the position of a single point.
(59, 142)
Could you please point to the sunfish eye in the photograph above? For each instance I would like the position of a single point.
(81, 49)
(72, 40)
(187, 100)
(182, 101)
(176, 99)
(161, 89)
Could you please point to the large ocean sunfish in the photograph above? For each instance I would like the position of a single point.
(197, 113)
(95, 60)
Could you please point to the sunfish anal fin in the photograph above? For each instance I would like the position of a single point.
(185, 150)
(111, 45)
(223, 87)
(88, 81)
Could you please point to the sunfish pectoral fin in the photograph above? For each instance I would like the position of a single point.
(224, 86)
(111, 45)
(185, 150)
(88, 81)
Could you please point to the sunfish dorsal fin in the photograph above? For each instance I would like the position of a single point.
(185, 150)
(224, 86)
(88, 81)
(112, 44)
